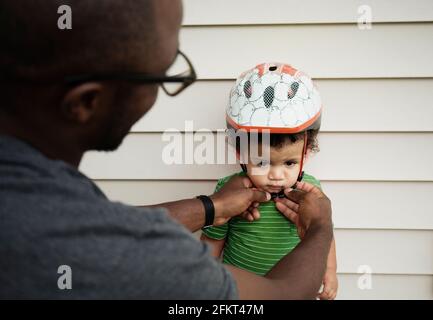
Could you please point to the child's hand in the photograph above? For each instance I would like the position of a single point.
(330, 285)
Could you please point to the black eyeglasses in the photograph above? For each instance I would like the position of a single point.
(178, 77)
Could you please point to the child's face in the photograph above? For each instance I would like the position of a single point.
(282, 171)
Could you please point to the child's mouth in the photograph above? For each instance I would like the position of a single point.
(275, 188)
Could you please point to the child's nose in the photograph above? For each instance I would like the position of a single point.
(276, 173)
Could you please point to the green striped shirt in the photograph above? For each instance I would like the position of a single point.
(257, 246)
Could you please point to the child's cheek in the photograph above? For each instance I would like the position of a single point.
(292, 174)
(259, 181)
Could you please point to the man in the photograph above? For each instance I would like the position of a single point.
(69, 91)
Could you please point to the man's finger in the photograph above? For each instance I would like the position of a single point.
(256, 214)
(246, 182)
(238, 182)
(307, 187)
(288, 203)
(247, 216)
(287, 190)
(287, 212)
(260, 196)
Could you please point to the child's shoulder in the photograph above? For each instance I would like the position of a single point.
(221, 182)
(312, 180)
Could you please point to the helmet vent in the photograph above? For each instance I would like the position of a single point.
(293, 89)
(272, 68)
(268, 96)
(248, 89)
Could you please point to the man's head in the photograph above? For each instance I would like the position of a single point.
(106, 36)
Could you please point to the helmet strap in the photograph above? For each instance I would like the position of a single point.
(304, 153)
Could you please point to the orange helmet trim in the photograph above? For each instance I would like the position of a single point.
(298, 129)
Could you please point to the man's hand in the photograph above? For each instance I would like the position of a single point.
(236, 197)
(306, 206)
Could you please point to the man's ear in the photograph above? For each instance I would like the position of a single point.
(81, 102)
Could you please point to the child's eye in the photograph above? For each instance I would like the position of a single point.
(290, 163)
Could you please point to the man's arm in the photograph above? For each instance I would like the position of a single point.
(234, 198)
(299, 274)
(188, 212)
(330, 280)
(332, 257)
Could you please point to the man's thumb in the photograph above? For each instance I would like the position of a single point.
(307, 187)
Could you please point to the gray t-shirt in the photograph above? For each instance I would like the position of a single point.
(51, 215)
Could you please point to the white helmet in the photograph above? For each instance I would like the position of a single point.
(276, 97)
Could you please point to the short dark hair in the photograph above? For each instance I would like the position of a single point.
(33, 45)
(279, 140)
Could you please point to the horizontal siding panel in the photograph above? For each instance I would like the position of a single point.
(343, 156)
(317, 50)
(349, 105)
(364, 205)
(386, 287)
(141, 193)
(381, 204)
(385, 251)
(206, 12)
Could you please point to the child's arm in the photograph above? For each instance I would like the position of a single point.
(330, 281)
(217, 245)
(332, 257)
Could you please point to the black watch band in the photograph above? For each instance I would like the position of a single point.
(209, 210)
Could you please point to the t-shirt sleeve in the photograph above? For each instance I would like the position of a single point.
(312, 180)
(216, 233)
